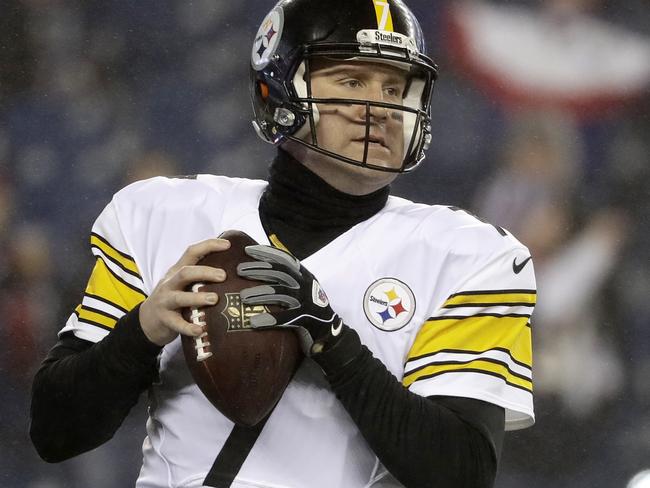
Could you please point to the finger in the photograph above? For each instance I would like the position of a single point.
(269, 295)
(262, 320)
(273, 255)
(184, 299)
(195, 274)
(175, 322)
(276, 319)
(194, 253)
(263, 271)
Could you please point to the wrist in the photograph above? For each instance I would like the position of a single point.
(334, 353)
(151, 330)
(127, 347)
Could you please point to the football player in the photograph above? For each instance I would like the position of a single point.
(415, 318)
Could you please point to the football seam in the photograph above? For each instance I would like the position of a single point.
(197, 316)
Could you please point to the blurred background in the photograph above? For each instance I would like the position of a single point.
(540, 123)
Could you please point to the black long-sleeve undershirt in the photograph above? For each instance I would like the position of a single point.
(83, 391)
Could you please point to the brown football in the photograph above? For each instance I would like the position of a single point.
(243, 372)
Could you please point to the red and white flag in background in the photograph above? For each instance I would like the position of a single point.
(526, 58)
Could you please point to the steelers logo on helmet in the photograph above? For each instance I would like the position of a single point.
(389, 304)
(267, 38)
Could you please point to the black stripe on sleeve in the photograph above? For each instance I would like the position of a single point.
(494, 292)
(452, 362)
(474, 370)
(114, 261)
(123, 254)
(92, 322)
(104, 300)
(122, 280)
(465, 351)
(497, 315)
(494, 304)
(100, 312)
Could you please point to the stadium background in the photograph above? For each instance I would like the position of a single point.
(96, 94)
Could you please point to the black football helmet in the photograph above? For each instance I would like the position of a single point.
(295, 33)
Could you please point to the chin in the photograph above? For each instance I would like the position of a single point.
(382, 162)
(377, 177)
(383, 157)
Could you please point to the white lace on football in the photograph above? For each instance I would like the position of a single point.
(197, 317)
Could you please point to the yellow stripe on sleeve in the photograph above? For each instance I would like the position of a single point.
(94, 317)
(106, 285)
(505, 298)
(123, 260)
(475, 334)
(478, 365)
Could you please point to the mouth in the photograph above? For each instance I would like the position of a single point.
(373, 140)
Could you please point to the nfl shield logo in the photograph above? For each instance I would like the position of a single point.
(239, 315)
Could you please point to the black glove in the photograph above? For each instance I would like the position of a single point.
(292, 286)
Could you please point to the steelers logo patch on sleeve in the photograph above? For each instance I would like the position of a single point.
(389, 304)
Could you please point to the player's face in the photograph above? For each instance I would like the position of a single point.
(342, 128)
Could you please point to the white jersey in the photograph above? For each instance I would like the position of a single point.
(442, 299)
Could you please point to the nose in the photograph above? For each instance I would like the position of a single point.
(378, 114)
(374, 93)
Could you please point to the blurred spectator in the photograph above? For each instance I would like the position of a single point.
(539, 172)
(6, 206)
(578, 365)
(533, 194)
(627, 176)
(150, 164)
(29, 300)
(29, 303)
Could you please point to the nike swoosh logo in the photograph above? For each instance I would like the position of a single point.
(517, 267)
(337, 330)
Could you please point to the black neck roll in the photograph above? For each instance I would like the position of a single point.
(305, 212)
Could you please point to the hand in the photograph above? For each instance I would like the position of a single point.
(292, 286)
(160, 313)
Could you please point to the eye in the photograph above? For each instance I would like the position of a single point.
(393, 92)
(351, 83)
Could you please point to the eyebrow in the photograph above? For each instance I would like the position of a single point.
(353, 70)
